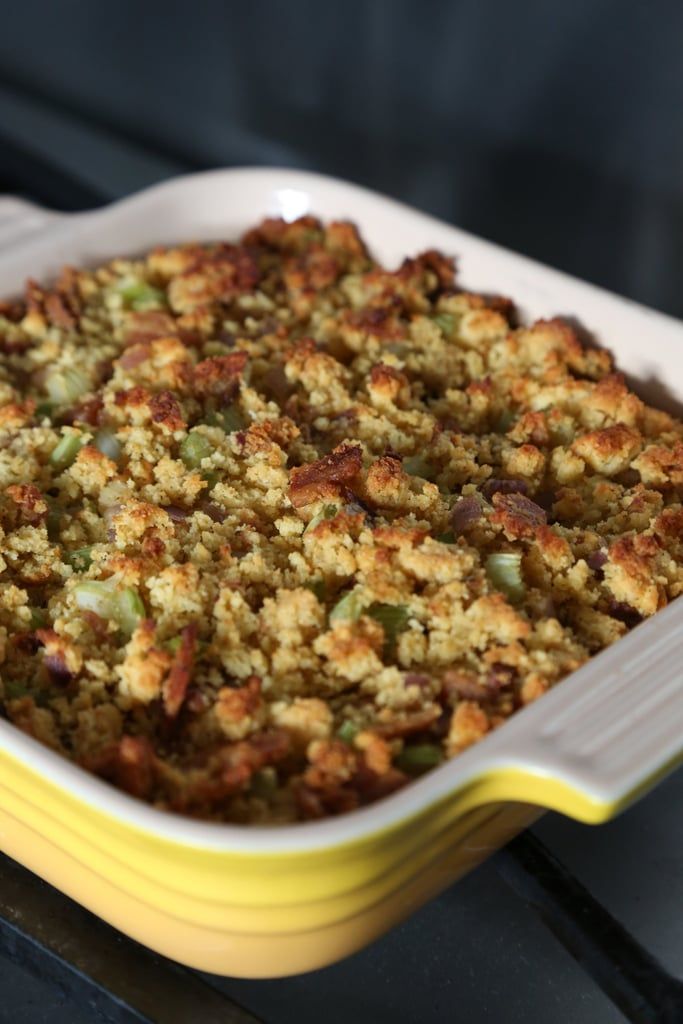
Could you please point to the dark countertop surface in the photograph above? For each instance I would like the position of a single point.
(476, 953)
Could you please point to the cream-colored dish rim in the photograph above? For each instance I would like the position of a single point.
(589, 747)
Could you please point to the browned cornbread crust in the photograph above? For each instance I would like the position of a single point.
(253, 500)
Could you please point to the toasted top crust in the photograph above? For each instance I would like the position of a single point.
(253, 502)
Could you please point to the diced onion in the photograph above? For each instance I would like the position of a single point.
(66, 385)
(104, 598)
(107, 443)
(348, 609)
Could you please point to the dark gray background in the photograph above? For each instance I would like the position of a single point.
(553, 128)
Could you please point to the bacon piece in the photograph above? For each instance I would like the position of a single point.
(218, 375)
(466, 512)
(89, 411)
(129, 763)
(312, 481)
(416, 722)
(165, 409)
(518, 515)
(176, 683)
(242, 759)
(496, 486)
(30, 502)
(148, 325)
(58, 313)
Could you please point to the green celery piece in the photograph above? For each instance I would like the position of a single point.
(129, 610)
(139, 295)
(445, 322)
(38, 617)
(264, 783)
(347, 731)
(13, 691)
(419, 758)
(328, 512)
(80, 559)
(393, 618)
(65, 451)
(318, 588)
(417, 465)
(504, 570)
(194, 449)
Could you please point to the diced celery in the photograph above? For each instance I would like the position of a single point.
(419, 758)
(264, 783)
(393, 618)
(504, 570)
(230, 419)
(129, 609)
(194, 448)
(14, 690)
(139, 295)
(318, 587)
(80, 559)
(348, 609)
(38, 617)
(417, 465)
(44, 410)
(328, 512)
(445, 322)
(347, 731)
(66, 450)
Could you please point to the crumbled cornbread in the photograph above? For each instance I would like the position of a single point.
(281, 529)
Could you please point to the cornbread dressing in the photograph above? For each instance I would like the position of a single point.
(281, 530)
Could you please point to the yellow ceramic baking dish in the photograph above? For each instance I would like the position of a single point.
(269, 901)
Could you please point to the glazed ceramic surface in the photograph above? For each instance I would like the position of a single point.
(269, 901)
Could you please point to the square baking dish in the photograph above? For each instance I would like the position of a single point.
(270, 901)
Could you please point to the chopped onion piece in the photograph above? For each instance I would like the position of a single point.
(106, 442)
(96, 596)
(123, 606)
(348, 609)
(504, 570)
(66, 385)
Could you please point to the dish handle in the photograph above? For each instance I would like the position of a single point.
(607, 743)
(19, 218)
